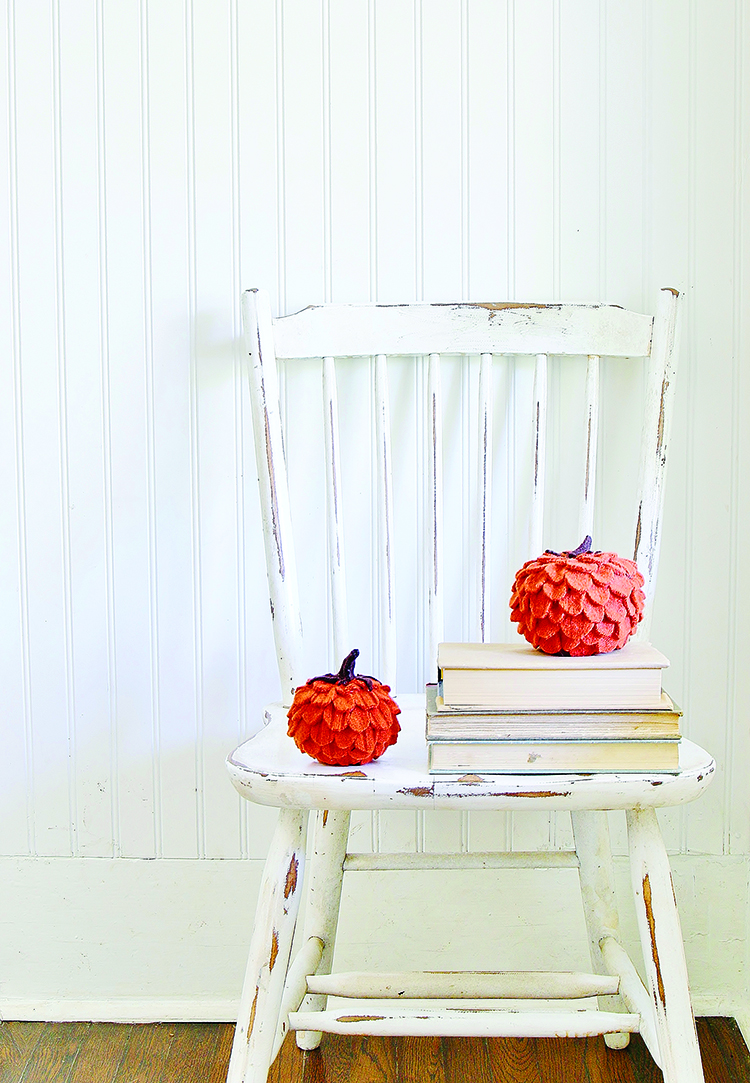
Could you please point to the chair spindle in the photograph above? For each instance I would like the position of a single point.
(386, 607)
(435, 518)
(540, 446)
(484, 495)
(334, 515)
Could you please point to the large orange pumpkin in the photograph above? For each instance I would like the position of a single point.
(343, 719)
(578, 602)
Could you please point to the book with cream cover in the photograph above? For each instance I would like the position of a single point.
(484, 724)
(516, 676)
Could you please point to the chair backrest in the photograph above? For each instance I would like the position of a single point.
(504, 520)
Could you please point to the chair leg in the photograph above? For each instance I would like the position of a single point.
(663, 950)
(325, 880)
(591, 833)
(270, 947)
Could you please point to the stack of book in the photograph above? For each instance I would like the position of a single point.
(510, 708)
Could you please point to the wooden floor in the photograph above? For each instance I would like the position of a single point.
(199, 1053)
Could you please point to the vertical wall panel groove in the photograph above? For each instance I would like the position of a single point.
(730, 742)
(19, 458)
(64, 465)
(106, 408)
(193, 423)
(148, 349)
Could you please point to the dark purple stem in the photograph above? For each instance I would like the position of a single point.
(346, 673)
(584, 547)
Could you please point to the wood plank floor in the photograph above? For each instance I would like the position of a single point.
(199, 1053)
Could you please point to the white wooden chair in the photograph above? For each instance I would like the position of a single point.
(268, 768)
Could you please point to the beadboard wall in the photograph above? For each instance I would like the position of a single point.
(158, 158)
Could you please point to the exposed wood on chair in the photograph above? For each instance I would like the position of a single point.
(325, 881)
(663, 951)
(270, 946)
(351, 330)
(469, 1021)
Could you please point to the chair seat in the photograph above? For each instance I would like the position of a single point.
(270, 770)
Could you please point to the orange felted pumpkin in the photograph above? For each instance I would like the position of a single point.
(578, 602)
(343, 719)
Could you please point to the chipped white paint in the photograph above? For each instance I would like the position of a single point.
(323, 901)
(385, 558)
(334, 515)
(633, 991)
(484, 497)
(360, 330)
(306, 961)
(270, 946)
(539, 427)
(588, 491)
(657, 421)
(591, 834)
(663, 951)
(468, 1023)
(464, 985)
(274, 496)
(271, 770)
(425, 859)
(434, 561)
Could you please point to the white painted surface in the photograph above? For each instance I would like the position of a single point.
(162, 159)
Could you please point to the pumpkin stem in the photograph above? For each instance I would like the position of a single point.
(346, 673)
(584, 547)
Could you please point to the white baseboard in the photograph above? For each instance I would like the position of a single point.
(122, 1010)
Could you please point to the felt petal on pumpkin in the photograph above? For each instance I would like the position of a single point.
(603, 574)
(593, 612)
(582, 650)
(539, 604)
(551, 645)
(615, 609)
(597, 593)
(341, 703)
(545, 628)
(304, 693)
(578, 580)
(575, 628)
(555, 570)
(572, 603)
(620, 584)
(366, 742)
(345, 738)
(358, 719)
(605, 628)
(555, 591)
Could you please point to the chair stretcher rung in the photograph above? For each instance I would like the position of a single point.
(552, 859)
(469, 1022)
(474, 985)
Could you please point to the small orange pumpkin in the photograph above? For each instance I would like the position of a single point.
(343, 719)
(578, 602)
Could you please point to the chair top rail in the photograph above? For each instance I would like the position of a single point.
(472, 328)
